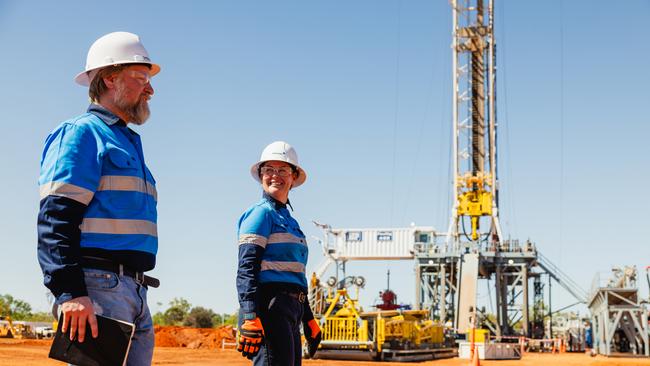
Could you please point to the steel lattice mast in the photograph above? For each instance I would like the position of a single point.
(474, 126)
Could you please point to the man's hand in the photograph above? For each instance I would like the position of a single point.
(76, 313)
(250, 338)
(312, 336)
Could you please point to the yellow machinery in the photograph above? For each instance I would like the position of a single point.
(342, 324)
(23, 330)
(11, 329)
(7, 330)
(480, 335)
(408, 326)
(396, 335)
(475, 200)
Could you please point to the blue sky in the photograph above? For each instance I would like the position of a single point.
(362, 89)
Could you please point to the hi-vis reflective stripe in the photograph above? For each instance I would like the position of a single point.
(116, 226)
(253, 239)
(106, 183)
(68, 190)
(126, 183)
(283, 266)
(285, 238)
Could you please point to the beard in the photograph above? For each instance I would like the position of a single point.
(136, 112)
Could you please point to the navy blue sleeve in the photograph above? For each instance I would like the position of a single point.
(253, 230)
(250, 258)
(307, 314)
(58, 246)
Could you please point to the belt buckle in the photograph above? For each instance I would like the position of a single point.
(139, 277)
(301, 297)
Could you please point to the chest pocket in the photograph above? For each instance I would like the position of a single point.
(121, 160)
(286, 225)
(121, 166)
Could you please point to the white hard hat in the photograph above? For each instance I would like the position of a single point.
(114, 49)
(280, 151)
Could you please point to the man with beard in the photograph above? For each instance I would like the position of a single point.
(97, 231)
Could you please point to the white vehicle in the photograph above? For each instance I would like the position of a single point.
(44, 332)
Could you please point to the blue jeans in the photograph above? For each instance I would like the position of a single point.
(121, 297)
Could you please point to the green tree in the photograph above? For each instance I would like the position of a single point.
(178, 310)
(16, 309)
(230, 319)
(224, 319)
(199, 317)
(159, 319)
(217, 319)
(40, 316)
(180, 303)
(181, 312)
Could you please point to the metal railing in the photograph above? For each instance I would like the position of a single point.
(562, 278)
(342, 329)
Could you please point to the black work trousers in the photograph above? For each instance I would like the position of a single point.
(281, 316)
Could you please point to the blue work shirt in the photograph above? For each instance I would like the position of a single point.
(98, 199)
(272, 250)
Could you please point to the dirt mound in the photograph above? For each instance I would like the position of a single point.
(206, 338)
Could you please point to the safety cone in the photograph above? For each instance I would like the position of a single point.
(475, 359)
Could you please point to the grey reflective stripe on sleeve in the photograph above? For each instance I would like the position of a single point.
(285, 238)
(116, 226)
(67, 190)
(253, 239)
(126, 183)
(283, 266)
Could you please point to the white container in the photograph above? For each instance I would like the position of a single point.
(389, 243)
(464, 350)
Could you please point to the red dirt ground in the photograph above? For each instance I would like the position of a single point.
(197, 347)
(193, 338)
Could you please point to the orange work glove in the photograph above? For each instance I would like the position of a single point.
(250, 338)
(312, 336)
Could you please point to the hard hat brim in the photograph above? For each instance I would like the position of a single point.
(302, 175)
(83, 78)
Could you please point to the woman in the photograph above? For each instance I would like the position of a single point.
(271, 280)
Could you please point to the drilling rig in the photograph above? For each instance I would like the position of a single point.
(475, 190)
(449, 266)
(474, 247)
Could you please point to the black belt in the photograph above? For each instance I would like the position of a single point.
(271, 289)
(106, 265)
(300, 296)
